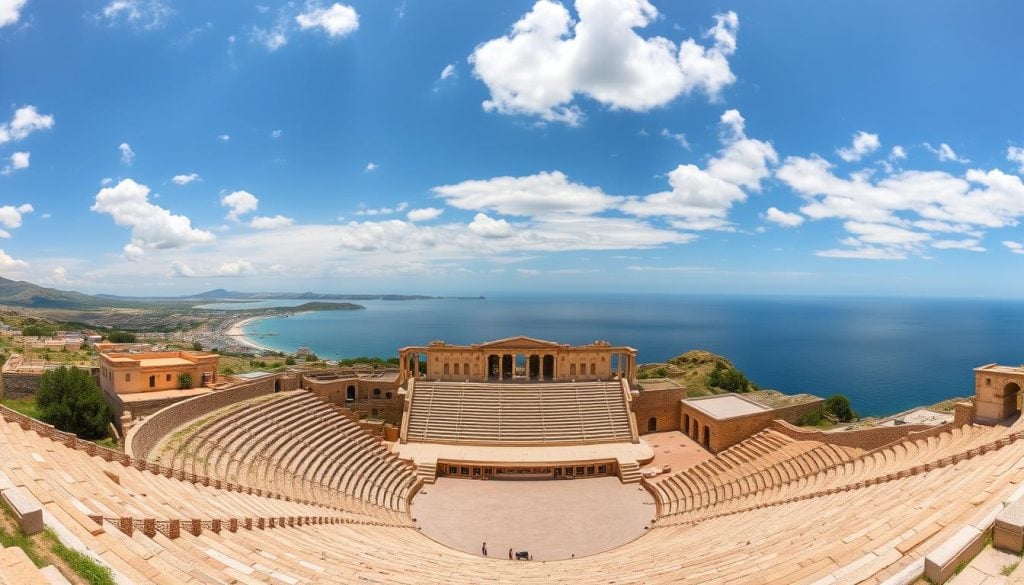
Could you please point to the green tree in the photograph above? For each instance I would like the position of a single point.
(289, 361)
(121, 337)
(184, 381)
(196, 346)
(839, 407)
(36, 331)
(728, 379)
(70, 400)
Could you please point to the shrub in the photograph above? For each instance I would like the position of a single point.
(311, 357)
(839, 407)
(70, 400)
(289, 361)
(121, 337)
(184, 381)
(811, 419)
(36, 331)
(729, 379)
(196, 346)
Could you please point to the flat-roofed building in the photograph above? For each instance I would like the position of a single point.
(132, 373)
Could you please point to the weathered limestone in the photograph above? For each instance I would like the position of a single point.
(1009, 528)
(27, 512)
(941, 563)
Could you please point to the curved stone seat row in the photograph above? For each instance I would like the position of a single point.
(296, 444)
(766, 459)
(519, 414)
(862, 534)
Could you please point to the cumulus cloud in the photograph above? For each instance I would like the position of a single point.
(702, 197)
(897, 153)
(899, 213)
(543, 193)
(224, 137)
(236, 268)
(337, 20)
(488, 227)
(783, 218)
(25, 121)
(363, 210)
(945, 153)
(142, 14)
(9, 263)
(547, 59)
(239, 203)
(1016, 154)
(270, 223)
(864, 143)
(448, 72)
(370, 167)
(152, 227)
(276, 134)
(424, 214)
(11, 217)
(970, 244)
(127, 154)
(677, 136)
(10, 11)
(185, 179)
(18, 161)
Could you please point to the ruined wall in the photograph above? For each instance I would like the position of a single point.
(19, 385)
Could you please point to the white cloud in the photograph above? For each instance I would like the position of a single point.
(236, 268)
(945, 153)
(968, 244)
(270, 223)
(543, 193)
(239, 203)
(185, 179)
(143, 14)
(448, 72)
(370, 167)
(10, 11)
(337, 20)
(677, 136)
(863, 253)
(59, 275)
(152, 227)
(1015, 247)
(547, 59)
(1016, 154)
(897, 153)
(9, 263)
(424, 214)
(702, 197)
(864, 143)
(488, 227)
(276, 133)
(783, 218)
(11, 217)
(273, 39)
(25, 121)
(363, 210)
(19, 160)
(127, 154)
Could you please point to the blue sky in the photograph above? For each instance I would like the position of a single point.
(161, 147)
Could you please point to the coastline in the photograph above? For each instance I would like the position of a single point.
(237, 332)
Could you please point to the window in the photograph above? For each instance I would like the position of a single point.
(465, 369)
(127, 377)
(167, 378)
(387, 395)
(590, 470)
(456, 369)
(579, 470)
(593, 369)
(988, 381)
(602, 469)
(476, 472)
(446, 369)
(152, 381)
(376, 392)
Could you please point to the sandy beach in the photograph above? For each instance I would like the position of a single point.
(236, 333)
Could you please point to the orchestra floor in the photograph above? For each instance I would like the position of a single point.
(552, 519)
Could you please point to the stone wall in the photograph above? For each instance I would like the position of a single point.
(144, 436)
(869, 438)
(371, 395)
(19, 385)
(727, 432)
(662, 405)
(386, 410)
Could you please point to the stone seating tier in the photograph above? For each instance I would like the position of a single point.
(866, 533)
(518, 414)
(302, 447)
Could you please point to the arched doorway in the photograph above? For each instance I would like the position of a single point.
(350, 393)
(652, 424)
(707, 438)
(1011, 399)
(686, 425)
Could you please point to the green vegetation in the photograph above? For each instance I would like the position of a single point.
(196, 346)
(37, 331)
(26, 406)
(729, 379)
(289, 361)
(1007, 569)
(184, 381)
(839, 407)
(70, 400)
(811, 419)
(375, 362)
(311, 357)
(46, 549)
(659, 372)
(121, 337)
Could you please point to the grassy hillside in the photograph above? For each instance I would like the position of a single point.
(18, 293)
(696, 370)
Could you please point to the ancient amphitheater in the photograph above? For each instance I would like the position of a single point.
(270, 480)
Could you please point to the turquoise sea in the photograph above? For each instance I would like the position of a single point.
(887, 355)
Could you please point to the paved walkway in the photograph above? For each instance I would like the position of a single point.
(674, 449)
(553, 519)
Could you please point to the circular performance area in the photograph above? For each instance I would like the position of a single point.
(550, 520)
